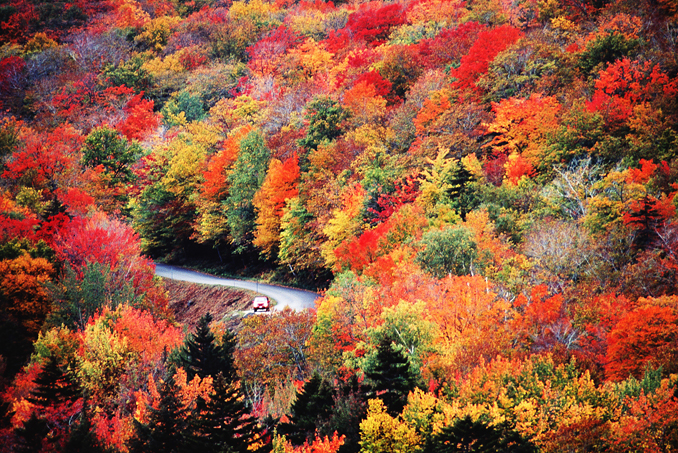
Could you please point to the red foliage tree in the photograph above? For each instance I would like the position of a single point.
(625, 84)
(266, 53)
(543, 321)
(45, 161)
(105, 240)
(373, 21)
(140, 119)
(480, 55)
(406, 191)
(646, 336)
(450, 45)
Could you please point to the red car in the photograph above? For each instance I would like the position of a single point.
(261, 302)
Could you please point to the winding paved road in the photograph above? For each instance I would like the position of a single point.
(296, 299)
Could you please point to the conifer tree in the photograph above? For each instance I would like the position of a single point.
(29, 437)
(461, 192)
(202, 356)
(167, 429)
(53, 386)
(82, 438)
(224, 423)
(466, 435)
(391, 376)
(311, 409)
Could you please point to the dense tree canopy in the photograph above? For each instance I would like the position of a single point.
(484, 192)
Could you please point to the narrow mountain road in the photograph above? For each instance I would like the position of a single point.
(296, 299)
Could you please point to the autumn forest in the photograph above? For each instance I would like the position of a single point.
(482, 192)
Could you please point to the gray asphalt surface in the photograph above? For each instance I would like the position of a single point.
(296, 299)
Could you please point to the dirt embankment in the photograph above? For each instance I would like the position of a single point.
(190, 301)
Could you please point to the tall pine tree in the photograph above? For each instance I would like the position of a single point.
(224, 423)
(201, 355)
(82, 438)
(29, 437)
(466, 435)
(53, 386)
(310, 411)
(168, 427)
(391, 376)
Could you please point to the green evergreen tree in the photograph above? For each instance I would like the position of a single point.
(82, 438)
(391, 376)
(462, 194)
(224, 424)
(53, 385)
(29, 437)
(201, 355)
(311, 411)
(168, 428)
(350, 408)
(466, 435)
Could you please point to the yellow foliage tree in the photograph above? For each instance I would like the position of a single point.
(156, 32)
(345, 223)
(381, 433)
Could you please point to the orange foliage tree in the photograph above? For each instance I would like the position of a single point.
(23, 293)
(646, 336)
(281, 184)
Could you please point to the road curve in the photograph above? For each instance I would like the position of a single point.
(296, 299)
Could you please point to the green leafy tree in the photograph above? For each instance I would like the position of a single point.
(249, 172)
(76, 298)
(187, 7)
(606, 49)
(129, 73)
(325, 117)
(107, 147)
(164, 221)
(14, 248)
(300, 243)
(185, 103)
(448, 251)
